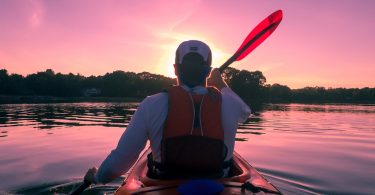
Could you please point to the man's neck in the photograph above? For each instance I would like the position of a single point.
(204, 84)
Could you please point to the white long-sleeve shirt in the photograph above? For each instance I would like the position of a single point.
(147, 124)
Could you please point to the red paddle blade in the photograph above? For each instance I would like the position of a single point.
(259, 34)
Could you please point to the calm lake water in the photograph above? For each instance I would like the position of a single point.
(300, 148)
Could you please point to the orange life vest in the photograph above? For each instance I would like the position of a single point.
(193, 135)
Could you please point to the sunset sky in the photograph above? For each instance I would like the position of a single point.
(318, 43)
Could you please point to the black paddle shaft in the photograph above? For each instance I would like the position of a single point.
(81, 188)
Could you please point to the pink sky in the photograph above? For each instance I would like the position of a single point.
(319, 43)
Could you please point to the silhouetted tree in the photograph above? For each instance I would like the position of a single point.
(248, 85)
(16, 85)
(4, 81)
(277, 92)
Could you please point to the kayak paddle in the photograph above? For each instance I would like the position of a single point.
(255, 38)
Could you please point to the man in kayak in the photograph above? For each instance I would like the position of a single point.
(191, 127)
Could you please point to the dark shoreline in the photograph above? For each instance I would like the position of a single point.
(4, 99)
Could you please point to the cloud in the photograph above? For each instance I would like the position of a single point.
(36, 13)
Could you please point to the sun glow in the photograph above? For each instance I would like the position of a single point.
(165, 66)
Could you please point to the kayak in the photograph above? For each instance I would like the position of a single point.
(243, 179)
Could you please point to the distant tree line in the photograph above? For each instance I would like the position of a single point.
(252, 86)
(115, 84)
(248, 85)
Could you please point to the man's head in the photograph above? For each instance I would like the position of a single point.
(193, 62)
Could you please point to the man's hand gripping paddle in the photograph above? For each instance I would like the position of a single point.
(255, 38)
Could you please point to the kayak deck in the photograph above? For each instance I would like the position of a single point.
(242, 172)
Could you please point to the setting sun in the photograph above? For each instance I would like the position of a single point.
(167, 60)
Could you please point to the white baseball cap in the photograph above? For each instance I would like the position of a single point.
(193, 46)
